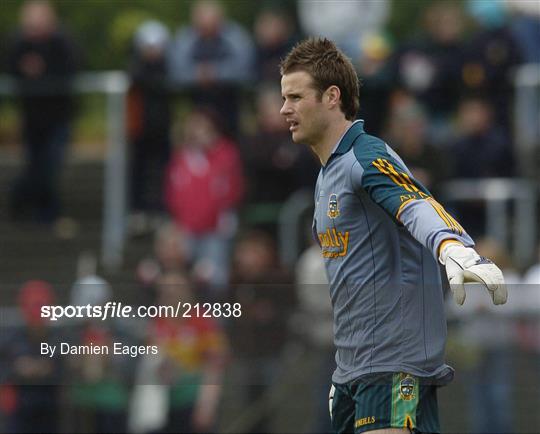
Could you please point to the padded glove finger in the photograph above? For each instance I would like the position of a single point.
(491, 276)
(464, 265)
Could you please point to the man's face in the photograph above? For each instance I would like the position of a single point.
(37, 20)
(303, 108)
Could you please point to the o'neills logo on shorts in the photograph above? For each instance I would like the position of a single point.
(364, 421)
(334, 243)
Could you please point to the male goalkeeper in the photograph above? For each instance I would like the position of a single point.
(381, 234)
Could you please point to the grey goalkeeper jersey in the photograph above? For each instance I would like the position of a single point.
(379, 230)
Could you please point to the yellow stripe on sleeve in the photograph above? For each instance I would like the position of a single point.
(437, 208)
(402, 206)
(403, 176)
(454, 221)
(410, 182)
(447, 218)
(380, 165)
(393, 171)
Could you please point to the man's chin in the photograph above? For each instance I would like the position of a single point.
(296, 138)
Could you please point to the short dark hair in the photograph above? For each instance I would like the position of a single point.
(328, 66)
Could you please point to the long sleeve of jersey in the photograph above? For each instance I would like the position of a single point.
(384, 176)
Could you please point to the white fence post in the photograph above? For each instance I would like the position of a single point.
(114, 84)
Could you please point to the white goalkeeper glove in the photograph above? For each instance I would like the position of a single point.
(464, 265)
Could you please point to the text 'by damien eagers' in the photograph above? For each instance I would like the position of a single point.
(115, 348)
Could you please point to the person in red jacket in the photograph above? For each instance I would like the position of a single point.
(204, 185)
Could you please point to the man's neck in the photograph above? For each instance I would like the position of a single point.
(323, 149)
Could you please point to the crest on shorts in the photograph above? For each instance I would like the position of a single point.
(333, 206)
(406, 388)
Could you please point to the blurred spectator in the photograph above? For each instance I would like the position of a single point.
(276, 167)
(170, 253)
(525, 25)
(490, 56)
(408, 125)
(375, 74)
(100, 392)
(314, 320)
(345, 22)
(486, 334)
(33, 378)
(213, 57)
(43, 60)
(274, 37)
(149, 121)
(194, 351)
(90, 289)
(482, 149)
(429, 67)
(203, 188)
(267, 297)
(525, 28)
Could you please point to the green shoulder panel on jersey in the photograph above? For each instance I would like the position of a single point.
(384, 178)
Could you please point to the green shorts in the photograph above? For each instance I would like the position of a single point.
(389, 400)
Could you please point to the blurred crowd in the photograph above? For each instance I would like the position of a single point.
(207, 146)
(224, 372)
(443, 97)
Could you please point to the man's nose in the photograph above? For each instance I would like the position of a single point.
(284, 109)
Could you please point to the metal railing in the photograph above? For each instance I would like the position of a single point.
(511, 215)
(526, 82)
(114, 85)
(502, 220)
(290, 227)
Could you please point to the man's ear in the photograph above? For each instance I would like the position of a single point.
(332, 96)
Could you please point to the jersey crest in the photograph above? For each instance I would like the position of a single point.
(333, 206)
